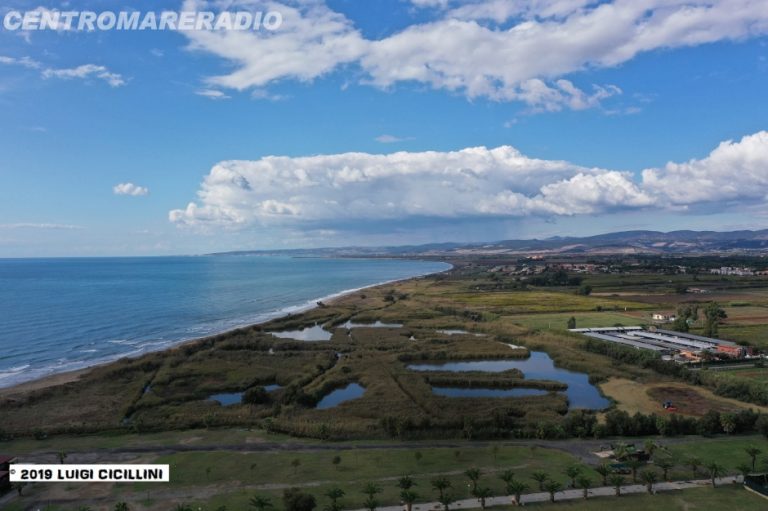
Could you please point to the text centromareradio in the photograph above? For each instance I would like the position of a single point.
(21, 473)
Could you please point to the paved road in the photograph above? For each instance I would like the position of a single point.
(603, 491)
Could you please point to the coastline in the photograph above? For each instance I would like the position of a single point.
(64, 377)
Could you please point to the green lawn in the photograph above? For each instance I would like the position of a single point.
(732, 498)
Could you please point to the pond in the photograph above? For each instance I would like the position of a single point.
(338, 396)
(539, 366)
(313, 333)
(234, 398)
(378, 324)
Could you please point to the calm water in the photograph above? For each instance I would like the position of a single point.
(338, 396)
(63, 314)
(313, 333)
(581, 393)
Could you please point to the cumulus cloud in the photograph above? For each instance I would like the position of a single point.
(27, 62)
(471, 183)
(497, 49)
(212, 94)
(130, 189)
(86, 71)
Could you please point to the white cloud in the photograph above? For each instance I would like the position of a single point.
(212, 94)
(734, 171)
(130, 189)
(86, 71)
(498, 49)
(472, 183)
(391, 139)
(23, 61)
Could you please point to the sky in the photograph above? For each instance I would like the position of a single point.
(382, 122)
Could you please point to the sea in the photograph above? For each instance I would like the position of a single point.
(60, 315)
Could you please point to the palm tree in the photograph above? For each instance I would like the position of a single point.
(649, 478)
(715, 470)
(744, 470)
(650, 447)
(573, 471)
(552, 487)
(446, 499)
(634, 464)
(620, 451)
(541, 478)
(473, 474)
(481, 494)
(296, 463)
(371, 489)
(122, 506)
(604, 470)
(616, 481)
(441, 484)
(334, 494)
(694, 463)
(585, 483)
(665, 464)
(260, 503)
(753, 452)
(507, 476)
(370, 503)
(406, 483)
(409, 498)
(516, 489)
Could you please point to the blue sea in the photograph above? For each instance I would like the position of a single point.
(63, 314)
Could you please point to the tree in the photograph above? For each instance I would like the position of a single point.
(371, 489)
(62, 456)
(446, 500)
(370, 503)
(516, 489)
(650, 447)
(473, 474)
(507, 476)
(418, 456)
(440, 484)
(715, 470)
(585, 483)
(409, 498)
(616, 481)
(296, 500)
(573, 471)
(713, 316)
(665, 464)
(604, 470)
(585, 290)
(744, 470)
(728, 422)
(334, 494)
(552, 487)
(122, 506)
(571, 323)
(694, 463)
(406, 483)
(753, 452)
(336, 461)
(541, 478)
(295, 463)
(481, 494)
(183, 507)
(634, 465)
(260, 503)
(649, 478)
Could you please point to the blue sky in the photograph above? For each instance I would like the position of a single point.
(373, 110)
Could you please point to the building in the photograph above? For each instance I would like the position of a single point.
(664, 318)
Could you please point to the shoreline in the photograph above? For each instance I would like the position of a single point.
(64, 377)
